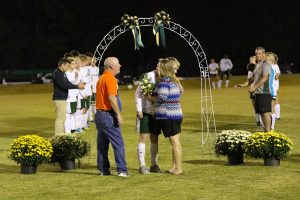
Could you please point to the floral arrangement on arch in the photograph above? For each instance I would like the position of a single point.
(161, 19)
(68, 147)
(30, 150)
(268, 145)
(147, 86)
(229, 141)
(132, 22)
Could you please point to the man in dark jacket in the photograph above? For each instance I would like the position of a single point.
(60, 94)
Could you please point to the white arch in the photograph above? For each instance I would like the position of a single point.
(207, 112)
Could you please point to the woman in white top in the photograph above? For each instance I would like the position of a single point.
(213, 69)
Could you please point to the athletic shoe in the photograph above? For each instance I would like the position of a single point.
(155, 169)
(104, 173)
(258, 124)
(123, 174)
(80, 130)
(144, 170)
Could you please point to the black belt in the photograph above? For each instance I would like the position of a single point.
(104, 110)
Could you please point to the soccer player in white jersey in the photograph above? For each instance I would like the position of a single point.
(146, 125)
(83, 103)
(87, 92)
(78, 116)
(72, 75)
(276, 82)
(273, 84)
(213, 68)
(95, 76)
(225, 67)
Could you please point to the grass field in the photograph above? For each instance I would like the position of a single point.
(28, 109)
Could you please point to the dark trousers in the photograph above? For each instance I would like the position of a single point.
(225, 73)
(109, 132)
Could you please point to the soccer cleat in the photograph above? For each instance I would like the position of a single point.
(155, 169)
(144, 170)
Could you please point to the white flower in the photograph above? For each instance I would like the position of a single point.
(230, 140)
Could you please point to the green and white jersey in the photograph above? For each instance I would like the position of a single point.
(143, 104)
(87, 79)
(95, 77)
(72, 93)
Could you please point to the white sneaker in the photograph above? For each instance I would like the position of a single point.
(123, 174)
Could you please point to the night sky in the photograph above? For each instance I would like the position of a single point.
(36, 33)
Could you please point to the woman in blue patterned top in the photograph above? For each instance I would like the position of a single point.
(168, 111)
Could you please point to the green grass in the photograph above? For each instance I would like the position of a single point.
(28, 109)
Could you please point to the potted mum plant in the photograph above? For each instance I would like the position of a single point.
(30, 151)
(67, 148)
(270, 146)
(230, 143)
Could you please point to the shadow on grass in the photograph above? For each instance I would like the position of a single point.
(223, 122)
(222, 162)
(294, 158)
(13, 169)
(48, 168)
(5, 150)
(83, 168)
(205, 162)
(9, 169)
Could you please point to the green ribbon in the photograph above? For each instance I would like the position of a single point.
(133, 24)
(161, 18)
(137, 38)
(159, 32)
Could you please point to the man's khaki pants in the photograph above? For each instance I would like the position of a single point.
(60, 111)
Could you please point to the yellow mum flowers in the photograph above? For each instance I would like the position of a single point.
(30, 150)
(268, 145)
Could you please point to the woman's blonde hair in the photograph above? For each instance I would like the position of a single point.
(165, 68)
(276, 58)
(270, 56)
(253, 58)
(175, 65)
(174, 62)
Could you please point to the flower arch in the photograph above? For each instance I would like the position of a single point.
(208, 124)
